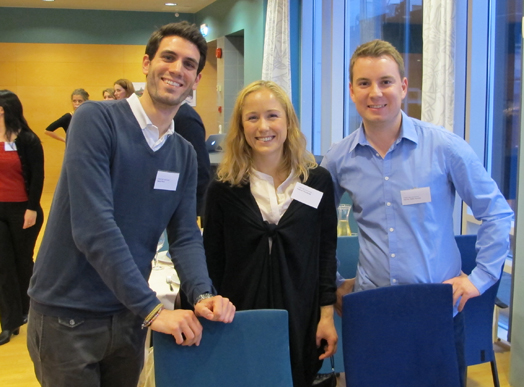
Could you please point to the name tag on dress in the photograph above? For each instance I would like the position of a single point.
(10, 147)
(307, 195)
(415, 196)
(166, 181)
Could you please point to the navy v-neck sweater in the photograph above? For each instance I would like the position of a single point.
(106, 218)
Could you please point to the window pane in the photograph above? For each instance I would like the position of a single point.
(400, 23)
(506, 96)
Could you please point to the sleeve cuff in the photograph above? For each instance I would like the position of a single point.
(482, 280)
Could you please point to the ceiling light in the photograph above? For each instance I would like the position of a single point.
(48, 0)
(170, 4)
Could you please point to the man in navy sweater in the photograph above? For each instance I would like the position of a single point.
(126, 177)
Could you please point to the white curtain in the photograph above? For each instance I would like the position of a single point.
(438, 71)
(277, 65)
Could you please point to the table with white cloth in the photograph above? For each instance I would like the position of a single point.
(165, 282)
(166, 285)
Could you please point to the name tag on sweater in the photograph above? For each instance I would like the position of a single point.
(307, 195)
(10, 146)
(415, 196)
(166, 181)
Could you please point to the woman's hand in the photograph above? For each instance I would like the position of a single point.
(29, 219)
(326, 331)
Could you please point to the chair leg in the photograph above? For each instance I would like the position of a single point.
(495, 373)
(495, 326)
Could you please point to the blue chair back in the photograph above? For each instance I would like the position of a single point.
(400, 336)
(347, 254)
(251, 351)
(478, 312)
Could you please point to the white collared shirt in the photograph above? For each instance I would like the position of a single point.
(150, 131)
(272, 202)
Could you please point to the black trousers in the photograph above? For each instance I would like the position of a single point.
(16, 261)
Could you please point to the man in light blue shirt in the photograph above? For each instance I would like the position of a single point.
(401, 175)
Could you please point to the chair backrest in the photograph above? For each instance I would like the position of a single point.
(400, 336)
(253, 350)
(478, 312)
(347, 254)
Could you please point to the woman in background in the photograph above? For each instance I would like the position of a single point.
(78, 97)
(266, 247)
(123, 88)
(108, 94)
(21, 217)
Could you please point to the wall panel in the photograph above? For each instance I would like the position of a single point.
(43, 75)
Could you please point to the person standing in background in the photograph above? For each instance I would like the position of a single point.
(108, 94)
(21, 217)
(190, 126)
(78, 97)
(123, 88)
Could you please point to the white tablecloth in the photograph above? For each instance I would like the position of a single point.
(158, 281)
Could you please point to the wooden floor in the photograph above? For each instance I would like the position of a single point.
(16, 368)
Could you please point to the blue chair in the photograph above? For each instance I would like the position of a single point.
(347, 254)
(400, 336)
(478, 313)
(251, 351)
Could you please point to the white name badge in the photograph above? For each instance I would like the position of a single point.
(166, 181)
(307, 195)
(10, 147)
(415, 196)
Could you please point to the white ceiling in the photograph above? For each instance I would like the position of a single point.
(183, 6)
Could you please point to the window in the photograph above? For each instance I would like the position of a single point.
(505, 96)
(398, 22)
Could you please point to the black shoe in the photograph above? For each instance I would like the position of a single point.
(5, 336)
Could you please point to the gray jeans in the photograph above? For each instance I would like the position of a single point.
(90, 352)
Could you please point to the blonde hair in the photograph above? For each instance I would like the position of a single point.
(236, 165)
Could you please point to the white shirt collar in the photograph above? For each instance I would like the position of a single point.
(150, 131)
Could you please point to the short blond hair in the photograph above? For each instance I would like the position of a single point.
(375, 49)
(236, 165)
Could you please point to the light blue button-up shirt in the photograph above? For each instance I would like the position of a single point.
(405, 244)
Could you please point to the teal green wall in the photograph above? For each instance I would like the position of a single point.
(32, 25)
(225, 17)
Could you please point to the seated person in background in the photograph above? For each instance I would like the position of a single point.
(190, 126)
(123, 88)
(78, 97)
(265, 247)
(108, 94)
(401, 174)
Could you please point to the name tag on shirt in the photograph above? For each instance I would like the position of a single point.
(307, 195)
(166, 181)
(415, 196)
(10, 147)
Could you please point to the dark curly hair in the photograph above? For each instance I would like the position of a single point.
(183, 29)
